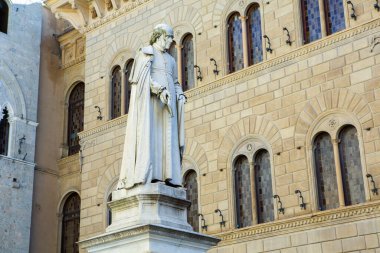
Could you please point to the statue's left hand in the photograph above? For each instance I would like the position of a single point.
(165, 97)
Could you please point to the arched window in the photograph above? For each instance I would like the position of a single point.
(334, 16)
(116, 93)
(311, 20)
(263, 184)
(75, 119)
(4, 133)
(333, 11)
(70, 224)
(243, 196)
(127, 87)
(191, 186)
(4, 12)
(255, 45)
(188, 63)
(235, 43)
(109, 211)
(352, 175)
(325, 172)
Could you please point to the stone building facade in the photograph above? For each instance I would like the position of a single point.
(291, 119)
(19, 83)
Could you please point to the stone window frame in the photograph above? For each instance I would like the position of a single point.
(248, 147)
(188, 165)
(332, 123)
(60, 206)
(241, 7)
(121, 59)
(299, 22)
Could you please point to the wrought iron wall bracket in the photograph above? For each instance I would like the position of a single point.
(269, 44)
(353, 14)
(302, 204)
(99, 117)
(216, 71)
(199, 73)
(288, 41)
(374, 189)
(203, 222)
(280, 209)
(222, 222)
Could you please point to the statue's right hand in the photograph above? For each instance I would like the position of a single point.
(165, 97)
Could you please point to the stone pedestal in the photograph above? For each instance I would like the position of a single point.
(149, 218)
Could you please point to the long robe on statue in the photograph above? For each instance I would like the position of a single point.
(154, 137)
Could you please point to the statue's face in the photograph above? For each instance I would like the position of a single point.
(165, 41)
(169, 40)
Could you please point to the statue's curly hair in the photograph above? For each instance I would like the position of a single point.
(156, 34)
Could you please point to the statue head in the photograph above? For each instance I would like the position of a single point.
(162, 35)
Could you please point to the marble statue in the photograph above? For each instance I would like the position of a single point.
(154, 140)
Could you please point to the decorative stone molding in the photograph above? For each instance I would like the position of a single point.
(195, 153)
(184, 15)
(302, 223)
(73, 48)
(12, 86)
(106, 180)
(122, 120)
(332, 100)
(123, 48)
(244, 128)
(305, 50)
(73, 159)
(130, 6)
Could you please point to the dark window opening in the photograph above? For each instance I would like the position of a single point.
(76, 115)
(4, 132)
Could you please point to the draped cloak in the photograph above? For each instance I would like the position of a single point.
(154, 140)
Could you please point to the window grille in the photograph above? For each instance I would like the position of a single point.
(70, 224)
(76, 115)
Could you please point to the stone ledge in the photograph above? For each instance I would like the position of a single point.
(156, 230)
(105, 126)
(302, 223)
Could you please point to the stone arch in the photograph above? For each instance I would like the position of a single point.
(184, 16)
(127, 44)
(330, 101)
(224, 7)
(243, 129)
(106, 180)
(13, 90)
(194, 155)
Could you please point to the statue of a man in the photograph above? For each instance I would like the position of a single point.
(154, 140)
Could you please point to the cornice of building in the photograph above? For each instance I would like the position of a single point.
(301, 223)
(105, 126)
